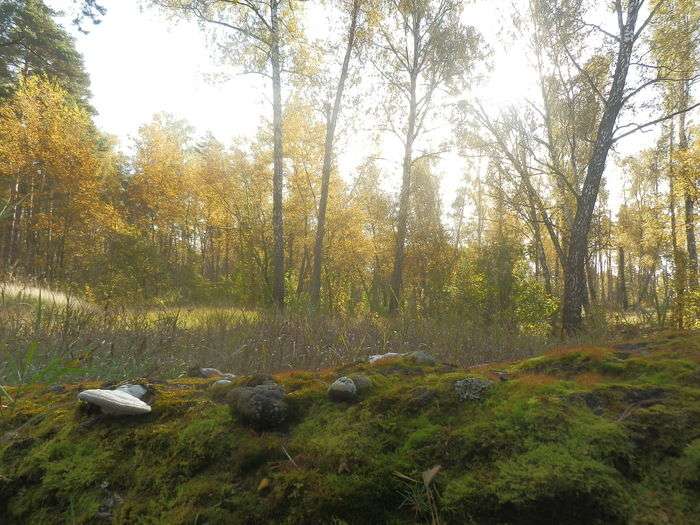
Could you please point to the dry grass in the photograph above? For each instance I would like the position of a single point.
(42, 342)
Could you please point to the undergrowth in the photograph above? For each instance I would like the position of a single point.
(61, 342)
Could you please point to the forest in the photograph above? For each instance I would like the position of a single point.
(555, 235)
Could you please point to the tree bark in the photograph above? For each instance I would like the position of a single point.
(405, 195)
(623, 300)
(574, 272)
(332, 120)
(278, 176)
(404, 202)
(689, 202)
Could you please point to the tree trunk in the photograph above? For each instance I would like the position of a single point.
(404, 202)
(331, 122)
(623, 301)
(277, 177)
(574, 272)
(689, 204)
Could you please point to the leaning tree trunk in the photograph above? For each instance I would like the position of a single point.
(328, 161)
(277, 177)
(574, 271)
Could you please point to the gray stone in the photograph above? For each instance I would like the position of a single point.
(472, 388)
(262, 405)
(221, 382)
(138, 391)
(57, 389)
(343, 389)
(230, 377)
(422, 358)
(209, 372)
(362, 382)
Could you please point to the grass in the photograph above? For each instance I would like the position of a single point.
(590, 434)
(52, 341)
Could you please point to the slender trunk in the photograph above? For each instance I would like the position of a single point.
(405, 195)
(689, 201)
(621, 280)
(611, 299)
(574, 273)
(331, 123)
(404, 201)
(678, 266)
(278, 177)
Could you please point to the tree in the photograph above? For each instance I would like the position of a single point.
(422, 47)
(255, 35)
(675, 41)
(332, 113)
(32, 43)
(568, 22)
(55, 172)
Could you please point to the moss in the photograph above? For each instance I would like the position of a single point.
(594, 435)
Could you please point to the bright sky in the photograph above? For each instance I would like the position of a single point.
(140, 63)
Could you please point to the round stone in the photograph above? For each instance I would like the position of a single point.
(343, 389)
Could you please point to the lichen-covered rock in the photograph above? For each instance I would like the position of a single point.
(138, 391)
(262, 405)
(343, 389)
(362, 382)
(115, 402)
(422, 358)
(472, 388)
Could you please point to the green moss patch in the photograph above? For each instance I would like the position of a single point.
(584, 435)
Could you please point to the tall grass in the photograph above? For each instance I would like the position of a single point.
(50, 342)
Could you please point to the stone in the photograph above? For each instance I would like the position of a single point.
(422, 358)
(422, 397)
(115, 402)
(210, 372)
(138, 391)
(228, 376)
(262, 405)
(343, 389)
(472, 388)
(502, 375)
(362, 382)
(221, 382)
(57, 389)
(379, 357)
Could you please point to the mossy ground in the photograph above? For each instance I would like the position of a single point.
(582, 435)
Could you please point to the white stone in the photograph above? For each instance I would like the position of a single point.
(379, 357)
(115, 402)
(138, 391)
